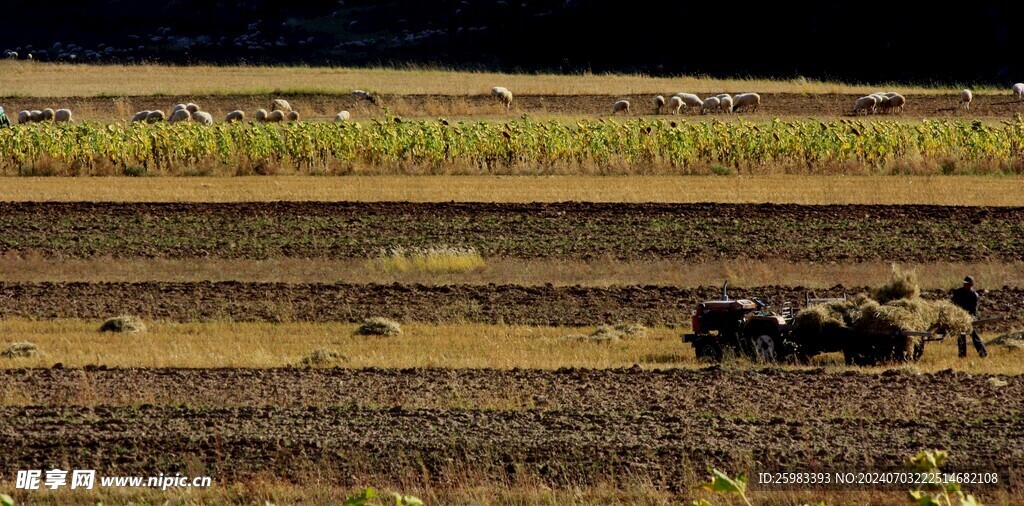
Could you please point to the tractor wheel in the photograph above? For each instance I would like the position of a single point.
(708, 350)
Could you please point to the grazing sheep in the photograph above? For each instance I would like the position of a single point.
(234, 116)
(342, 116)
(890, 94)
(36, 116)
(503, 95)
(47, 114)
(155, 116)
(203, 118)
(746, 101)
(275, 116)
(720, 96)
(261, 115)
(140, 116)
(63, 116)
(180, 115)
(366, 96)
(293, 116)
(965, 99)
(866, 104)
(24, 116)
(190, 107)
(675, 104)
(710, 104)
(179, 107)
(690, 100)
(280, 105)
(896, 103)
(621, 106)
(659, 103)
(882, 104)
(1018, 89)
(726, 104)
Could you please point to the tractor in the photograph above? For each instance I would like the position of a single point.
(740, 327)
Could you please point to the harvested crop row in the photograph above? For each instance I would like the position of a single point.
(694, 232)
(513, 304)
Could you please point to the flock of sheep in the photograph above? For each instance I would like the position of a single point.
(280, 111)
(58, 116)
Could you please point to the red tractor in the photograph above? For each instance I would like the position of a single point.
(740, 327)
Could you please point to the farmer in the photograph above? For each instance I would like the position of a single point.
(4, 121)
(967, 298)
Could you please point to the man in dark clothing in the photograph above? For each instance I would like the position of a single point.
(967, 298)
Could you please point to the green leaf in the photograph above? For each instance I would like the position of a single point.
(6, 500)
(701, 502)
(969, 500)
(362, 498)
(720, 482)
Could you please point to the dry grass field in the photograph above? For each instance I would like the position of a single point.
(779, 189)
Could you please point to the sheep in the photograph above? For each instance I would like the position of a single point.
(36, 116)
(203, 118)
(675, 104)
(366, 96)
(293, 116)
(140, 116)
(882, 104)
(726, 104)
(275, 116)
(896, 103)
(1018, 89)
(690, 100)
(503, 95)
(342, 116)
(24, 116)
(621, 106)
(178, 107)
(180, 115)
(720, 96)
(866, 104)
(965, 99)
(234, 116)
(261, 115)
(155, 116)
(191, 108)
(746, 101)
(710, 104)
(280, 105)
(63, 116)
(47, 114)
(659, 103)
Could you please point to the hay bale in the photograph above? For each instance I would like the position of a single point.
(378, 326)
(631, 330)
(951, 319)
(22, 349)
(903, 285)
(123, 323)
(321, 357)
(922, 314)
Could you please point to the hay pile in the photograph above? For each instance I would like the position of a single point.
(322, 357)
(21, 350)
(903, 285)
(123, 323)
(610, 334)
(379, 327)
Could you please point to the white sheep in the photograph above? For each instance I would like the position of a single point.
(280, 105)
(690, 100)
(293, 116)
(720, 96)
(155, 116)
(190, 107)
(342, 116)
(1018, 89)
(503, 95)
(63, 116)
(965, 99)
(726, 104)
(746, 101)
(366, 96)
(866, 104)
(24, 116)
(659, 103)
(47, 114)
(203, 118)
(178, 107)
(180, 115)
(235, 116)
(675, 104)
(36, 116)
(896, 103)
(261, 115)
(275, 116)
(621, 106)
(140, 116)
(710, 104)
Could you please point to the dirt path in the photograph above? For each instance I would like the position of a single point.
(561, 427)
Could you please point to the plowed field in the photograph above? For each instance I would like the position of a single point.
(565, 230)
